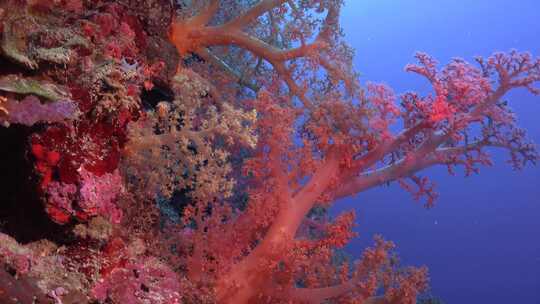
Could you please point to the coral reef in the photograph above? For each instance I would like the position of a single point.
(186, 151)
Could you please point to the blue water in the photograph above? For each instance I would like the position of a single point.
(481, 242)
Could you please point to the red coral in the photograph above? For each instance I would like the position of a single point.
(46, 162)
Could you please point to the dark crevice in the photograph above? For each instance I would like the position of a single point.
(157, 94)
(22, 215)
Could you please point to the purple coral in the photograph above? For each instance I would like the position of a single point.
(98, 194)
(30, 111)
(60, 200)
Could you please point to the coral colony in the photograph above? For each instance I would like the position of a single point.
(187, 151)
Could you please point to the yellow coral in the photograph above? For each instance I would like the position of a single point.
(184, 144)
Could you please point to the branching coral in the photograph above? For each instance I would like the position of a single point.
(296, 39)
(344, 148)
